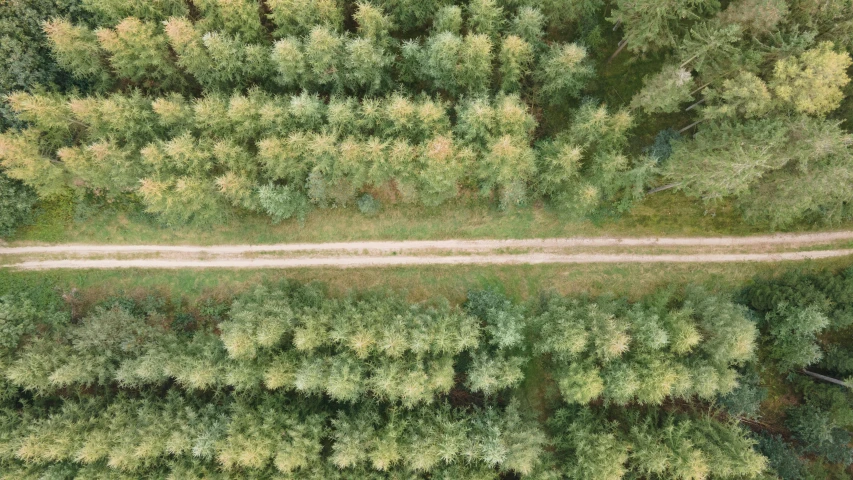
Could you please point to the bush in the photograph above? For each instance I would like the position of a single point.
(793, 336)
(368, 205)
(745, 400)
(783, 459)
(818, 434)
(661, 149)
(283, 202)
(16, 204)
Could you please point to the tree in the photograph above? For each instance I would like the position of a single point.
(373, 23)
(367, 66)
(664, 92)
(298, 17)
(747, 161)
(474, 70)
(725, 159)
(711, 48)
(744, 96)
(812, 83)
(563, 72)
(529, 24)
(289, 62)
(324, 55)
(103, 167)
(508, 164)
(515, 58)
(411, 14)
(441, 55)
(22, 160)
(76, 49)
(282, 202)
(447, 19)
(759, 17)
(114, 11)
(793, 336)
(25, 48)
(564, 12)
(485, 17)
(442, 165)
(139, 53)
(16, 204)
(651, 25)
(820, 435)
(234, 17)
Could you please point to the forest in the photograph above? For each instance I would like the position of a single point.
(206, 111)
(285, 380)
(189, 123)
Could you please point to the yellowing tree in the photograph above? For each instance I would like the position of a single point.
(21, 159)
(812, 82)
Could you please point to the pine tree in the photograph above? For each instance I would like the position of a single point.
(411, 14)
(139, 53)
(441, 54)
(485, 17)
(324, 55)
(474, 71)
(22, 160)
(651, 25)
(745, 96)
(103, 167)
(758, 17)
(235, 17)
(563, 72)
(664, 92)
(76, 49)
(447, 19)
(529, 24)
(516, 57)
(298, 17)
(812, 83)
(367, 66)
(114, 11)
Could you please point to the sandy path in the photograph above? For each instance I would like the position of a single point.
(450, 245)
(389, 261)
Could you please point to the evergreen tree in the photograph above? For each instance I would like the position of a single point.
(664, 92)
(653, 24)
(139, 53)
(563, 72)
(516, 57)
(298, 17)
(76, 49)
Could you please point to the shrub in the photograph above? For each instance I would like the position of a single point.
(283, 202)
(16, 205)
(368, 205)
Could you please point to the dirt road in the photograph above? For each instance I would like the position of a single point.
(390, 261)
(792, 240)
(387, 254)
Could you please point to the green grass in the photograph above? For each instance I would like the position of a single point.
(665, 213)
(418, 283)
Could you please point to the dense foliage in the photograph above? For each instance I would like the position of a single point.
(199, 110)
(805, 321)
(286, 380)
(289, 381)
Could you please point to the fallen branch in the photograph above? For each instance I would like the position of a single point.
(826, 379)
(691, 107)
(621, 46)
(662, 188)
(697, 122)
